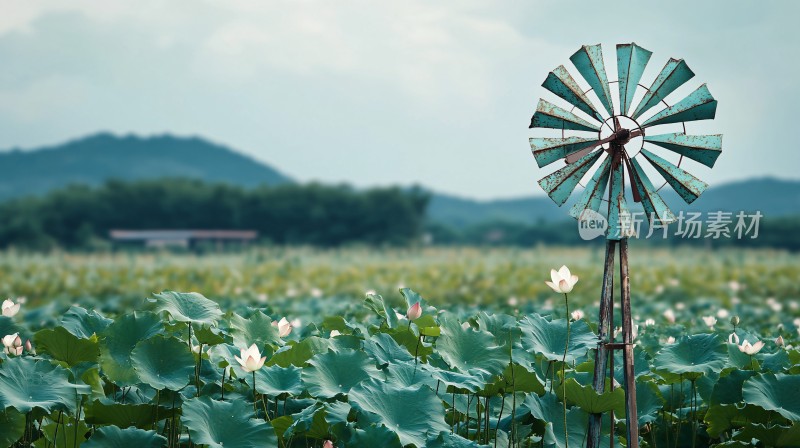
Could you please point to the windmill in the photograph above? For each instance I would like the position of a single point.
(609, 134)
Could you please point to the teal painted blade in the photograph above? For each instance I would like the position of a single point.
(684, 183)
(654, 205)
(549, 115)
(698, 105)
(618, 214)
(592, 196)
(700, 148)
(589, 62)
(548, 150)
(560, 184)
(674, 74)
(560, 82)
(631, 62)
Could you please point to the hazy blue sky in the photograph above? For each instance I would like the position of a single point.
(379, 92)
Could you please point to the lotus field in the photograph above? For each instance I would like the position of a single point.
(393, 348)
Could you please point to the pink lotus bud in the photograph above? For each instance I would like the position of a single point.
(779, 341)
(414, 312)
(28, 346)
(327, 444)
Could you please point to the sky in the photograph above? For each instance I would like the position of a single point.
(438, 93)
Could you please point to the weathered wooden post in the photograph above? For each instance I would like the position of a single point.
(610, 132)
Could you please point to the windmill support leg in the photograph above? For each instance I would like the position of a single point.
(631, 415)
(605, 350)
(606, 331)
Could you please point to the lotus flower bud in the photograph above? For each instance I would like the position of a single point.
(28, 346)
(671, 340)
(327, 444)
(284, 327)
(669, 315)
(577, 315)
(414, 312)
(779, 341)
(735, 321)
(9, 308)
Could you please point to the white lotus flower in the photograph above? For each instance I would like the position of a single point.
(779, 341)
(414, 312)
(513, 301)
(13, 344)
(751, 349)
(710, 321)
(284, 327)
(335, 333)
(577, 315)
(723, 313)
(251, 359)
(733, 339)
(316, 292)
(649, 322)
(670, 340)
(9, 308)
(669, 315)
(562, 280)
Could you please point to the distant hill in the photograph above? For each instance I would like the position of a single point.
(94, 159)
(773, 197)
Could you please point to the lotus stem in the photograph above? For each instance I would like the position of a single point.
(255, 409)
(563, 375)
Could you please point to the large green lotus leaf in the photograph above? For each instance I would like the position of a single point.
(386, 350)
(772, 392)
(188, 307)
(333, 373)
(12, 426)
(374, 436)
(470, 351)
(275, 380)
(299, 353)
(412, 413)
(27, 384)
(226, 424)
(407, 338)
(503, 327)
(257, 329)
(515, 378)
(692, 356)
(208, 335)
(309, 422)
(163, 362)
(447, 440)
(83, 323)
(141, 415)
(64, 346)
(376, 303)
(65, 433)
(649, 402)
(722, 417)
(460, 381)
(548, 410)
(776, 362)
(120, 339)
(728, 389)
(771, 435)
(590, 401)
(410, 374)
(549, 338)
(113, 437)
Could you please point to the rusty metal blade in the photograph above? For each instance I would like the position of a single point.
(632, 175)
(700, 148)
(631, 62)
(684, 183)
(560, 82)
(618, 214)
(698, 105)
(674, 74)
(560, 184)
(653, 204)
(589, 62)
(548, 150)
(549, 115)
(592, 196)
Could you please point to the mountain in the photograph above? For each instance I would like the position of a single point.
(770, 196)
(94, 159)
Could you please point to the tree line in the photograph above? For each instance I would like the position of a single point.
(80, 216)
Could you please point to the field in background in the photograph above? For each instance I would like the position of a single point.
(495, 278)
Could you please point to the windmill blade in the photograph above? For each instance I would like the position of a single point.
(652, 202)
(589, 62)
(560, 184)
(549, 115)
(548, 150)
(631, 62)
(687, 186)
(618, 214)
(700, 148)
(560, 82)
(674, 74)
(592, 195)
(698, 105)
